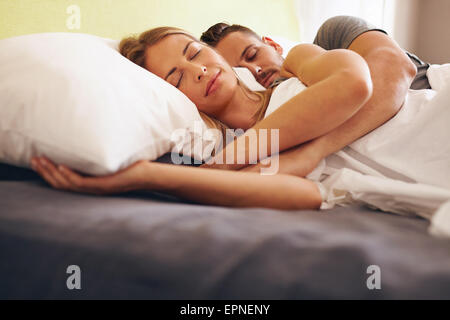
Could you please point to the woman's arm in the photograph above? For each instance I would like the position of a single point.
(215, 187)
(338, 83)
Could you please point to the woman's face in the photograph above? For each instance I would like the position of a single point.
(194, 68)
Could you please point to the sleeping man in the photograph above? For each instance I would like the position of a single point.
(393, 72)
(383, 155)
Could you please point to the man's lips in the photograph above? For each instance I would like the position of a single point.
(267, 81)
(211, 83)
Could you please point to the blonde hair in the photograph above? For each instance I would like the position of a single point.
(134, 49)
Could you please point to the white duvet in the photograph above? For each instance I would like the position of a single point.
(401, 167)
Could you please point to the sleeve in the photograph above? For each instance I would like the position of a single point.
(340, 31)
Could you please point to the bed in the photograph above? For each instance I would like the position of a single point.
(145, 245)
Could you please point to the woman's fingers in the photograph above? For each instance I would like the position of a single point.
(52, 174)
(61, 177)
(74, 178)
(41, 168)
(78, 182)
(57, 175)
(85, 184)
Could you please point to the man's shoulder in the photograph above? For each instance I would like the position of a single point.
(339, 32)
(344, 21)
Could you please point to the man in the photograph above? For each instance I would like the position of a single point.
(393, 72)
(243, 47)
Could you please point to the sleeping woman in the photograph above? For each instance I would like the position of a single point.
(338, 84)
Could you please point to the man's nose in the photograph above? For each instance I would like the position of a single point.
(257, 71)
(254, 69)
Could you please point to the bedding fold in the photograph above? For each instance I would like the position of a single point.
(403, 166)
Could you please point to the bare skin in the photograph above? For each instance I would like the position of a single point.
(214, 187)
(261, 56)
(392, 73)
(336, 81)
(324, 72)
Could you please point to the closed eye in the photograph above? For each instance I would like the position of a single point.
(179, 80)
(182, 74)
(252, 55)
(195, 55)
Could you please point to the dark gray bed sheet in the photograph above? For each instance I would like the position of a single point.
(145, 246)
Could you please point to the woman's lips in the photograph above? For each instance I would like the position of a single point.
(213, 84)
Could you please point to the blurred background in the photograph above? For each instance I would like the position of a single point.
(419, 26)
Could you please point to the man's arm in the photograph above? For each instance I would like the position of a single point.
(392, 73)
(338, 83)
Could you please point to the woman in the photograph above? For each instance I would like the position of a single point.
(338, 84)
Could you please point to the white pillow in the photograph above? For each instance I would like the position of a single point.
(75, 99)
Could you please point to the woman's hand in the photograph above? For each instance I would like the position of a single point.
(222, 166)
(62, 178)
(298, 161)
(216, 166)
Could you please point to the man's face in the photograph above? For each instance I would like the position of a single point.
(262, 57)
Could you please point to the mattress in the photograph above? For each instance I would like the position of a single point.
(146, 245)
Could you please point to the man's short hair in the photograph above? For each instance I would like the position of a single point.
(217, 32)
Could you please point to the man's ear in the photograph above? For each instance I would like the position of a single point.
(272, 43)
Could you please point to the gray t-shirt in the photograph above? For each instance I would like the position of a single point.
(340, 31)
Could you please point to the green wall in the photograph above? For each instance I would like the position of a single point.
(118, 18)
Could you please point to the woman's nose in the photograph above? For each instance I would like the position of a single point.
(200, 72)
